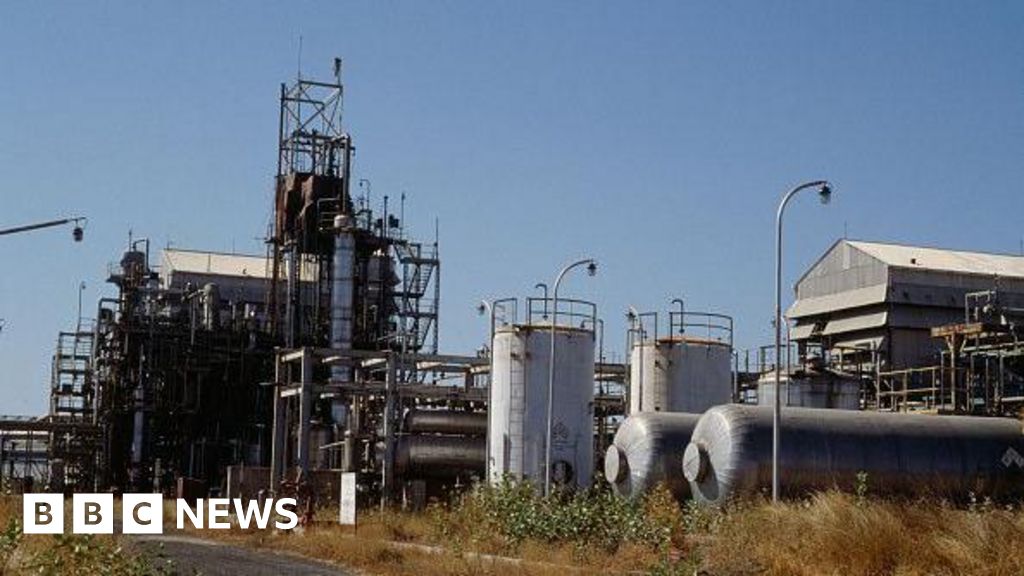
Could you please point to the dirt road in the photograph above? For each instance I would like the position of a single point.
(189, 555)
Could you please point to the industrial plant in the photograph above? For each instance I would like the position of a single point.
(215, 373)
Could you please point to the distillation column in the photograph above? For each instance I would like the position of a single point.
(342, 292)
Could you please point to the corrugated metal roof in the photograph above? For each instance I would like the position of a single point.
(215, 263)
(840, 301)
(875, 342)
(919, 257)
(852, 324)
(221, 264)
(801, 331)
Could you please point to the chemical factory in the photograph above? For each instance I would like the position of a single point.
(215, 373)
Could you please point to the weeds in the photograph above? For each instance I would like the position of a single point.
(516, 512)
(74, 555)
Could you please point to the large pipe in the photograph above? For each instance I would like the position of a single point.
(647, 450)
(211, 306)
(442, 457)
(342, 288)
(730, 453)
(445, 422)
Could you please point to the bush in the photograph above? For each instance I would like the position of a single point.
(517, 512)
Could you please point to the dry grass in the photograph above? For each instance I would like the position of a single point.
(828, 534)
(835, 533)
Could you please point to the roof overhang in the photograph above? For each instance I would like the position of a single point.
(856, 298)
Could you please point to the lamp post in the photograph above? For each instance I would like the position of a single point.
(637, 320)
(77, 233)
(825, 193)
(81, 288)
(487, 307)
(591, 269)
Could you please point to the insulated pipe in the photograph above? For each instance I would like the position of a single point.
(730, 453)
(439, 456)
(445, 422)
(342, 287)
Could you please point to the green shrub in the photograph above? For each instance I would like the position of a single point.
(517, 512)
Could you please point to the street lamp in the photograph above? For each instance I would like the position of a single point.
(591, 270)
(825, 194)
(486, 307)
(637, 323)
(77, 233)
(81, 288)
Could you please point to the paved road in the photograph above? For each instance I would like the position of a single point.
(195, 556)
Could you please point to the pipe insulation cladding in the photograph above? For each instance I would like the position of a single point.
(440, 457)
(342, 290)
(453, 422)
(730, 453)
(647, 450)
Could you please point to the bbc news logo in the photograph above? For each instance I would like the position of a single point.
(144, 513)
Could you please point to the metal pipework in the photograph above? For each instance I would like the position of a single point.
(544, 290)
(452, 422)
(647, 450)
(825, 190)
(441, 457)
(210, 300)
(730, 453)
(342, 289)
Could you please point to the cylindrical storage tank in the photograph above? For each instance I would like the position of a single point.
(730, 453)
(211, 306)
(813, 391)
(647, 450)
(454, 422)
(679, 374)
(439, 457)
(517, 414)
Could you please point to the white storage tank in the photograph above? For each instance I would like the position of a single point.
(810, 390)
(517, 414)
(679, 374)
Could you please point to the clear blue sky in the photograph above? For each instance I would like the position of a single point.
(654, 136)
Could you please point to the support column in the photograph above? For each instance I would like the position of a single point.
(305, 409)
(387, 468)
(279, 432)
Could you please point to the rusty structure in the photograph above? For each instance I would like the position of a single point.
(232, 373)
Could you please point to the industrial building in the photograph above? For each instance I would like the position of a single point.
(863, 298)
(922, 328)
(230, 373)
(239, 373)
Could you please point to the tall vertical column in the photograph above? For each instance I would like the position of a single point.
(305, 409)
(388, 469)
(342, 289)
(279, 431)
(293, 300)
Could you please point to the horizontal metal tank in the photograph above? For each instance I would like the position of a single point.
(440, 457)
(646, 451)
(455, 422)
(679, 374)
(517, 417)
(730, 453)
